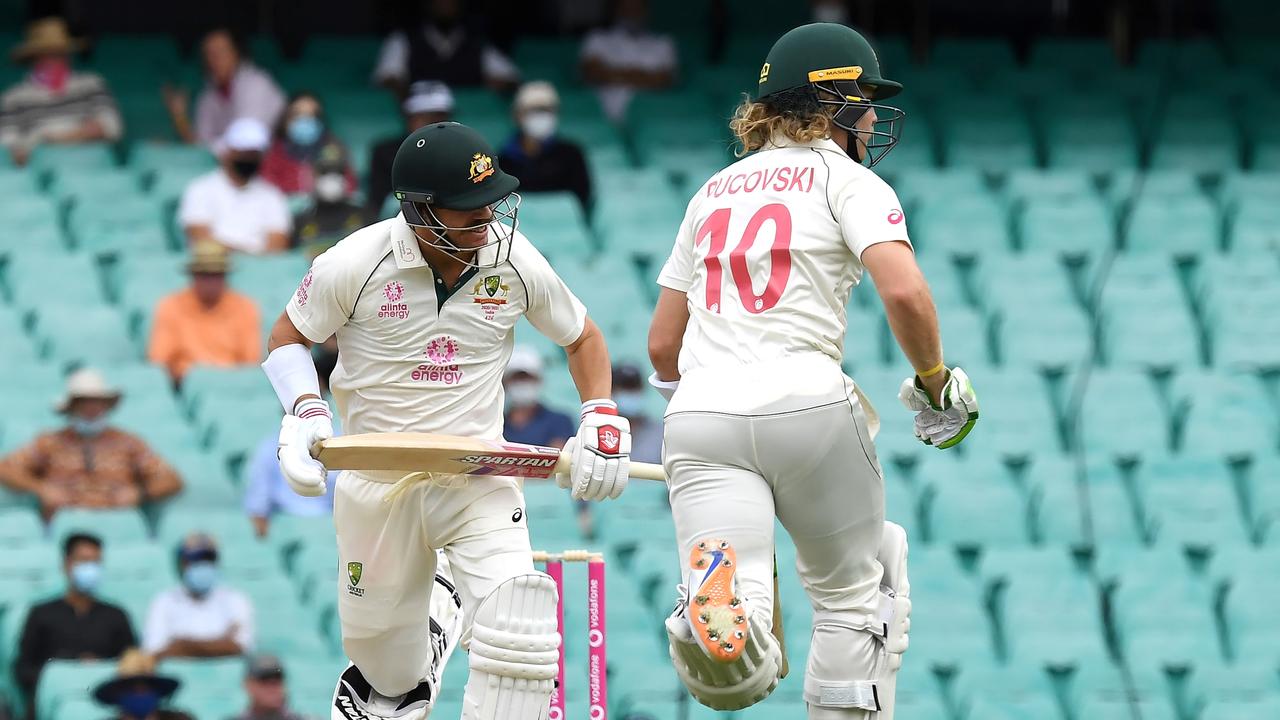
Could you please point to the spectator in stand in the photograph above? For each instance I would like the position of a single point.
(830, 11)
(208, 323)
(332, 214)
(544, 161)
(76, 626)
(627, 57)
(444, 47)
(302, 138)
(646, 432)
(88, 463)
(54, 104)
(201, 618)
(232, 205)
(267, 493)
(429, 102)
(234, 88)
(137, 692)
(527, 419)
(264, 684)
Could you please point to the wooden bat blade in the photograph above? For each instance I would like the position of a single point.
(451, 454)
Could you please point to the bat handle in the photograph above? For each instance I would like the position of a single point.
(638, 471)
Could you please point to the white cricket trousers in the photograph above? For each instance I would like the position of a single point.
(386, 551)
(789, 439)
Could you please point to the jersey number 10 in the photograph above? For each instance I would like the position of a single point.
(716, 227)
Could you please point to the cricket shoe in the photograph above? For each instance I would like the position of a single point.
(355, 699)
(714, 609)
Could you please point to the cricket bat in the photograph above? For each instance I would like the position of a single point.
(456, 455)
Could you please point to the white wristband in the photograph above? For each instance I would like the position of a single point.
(292, 373)
(591, 406)
(665, 388)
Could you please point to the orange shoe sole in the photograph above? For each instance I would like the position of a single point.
(716, 614)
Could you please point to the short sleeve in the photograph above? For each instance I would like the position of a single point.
(677, 271)
(553, 308)
(242, 616)
(195, 208)
(157, 634)
(325, 298)
(869, 213)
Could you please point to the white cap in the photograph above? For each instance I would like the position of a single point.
(88, 384)
(524, 359)
(246, 134)
(538, 93)
(428, 96)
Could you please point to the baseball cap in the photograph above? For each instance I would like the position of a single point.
(264, 666)
(428, 96)
(246, 134)
(538, 93)
(524, 359)
(198, 546)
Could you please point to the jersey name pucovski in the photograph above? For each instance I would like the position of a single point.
(769, 250)
(414, 355)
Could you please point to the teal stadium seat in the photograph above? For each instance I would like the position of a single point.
(1039, 279)
(1195, 137)
(1153, 591)
(85, 334)
(950, 626)
(32, 225)
(555, 224)
(1224, 414)
(1047, 336)
(991, 134)
(1133, 279)
(125, 224)
(27, 277)
(919, 185)
(1120, 415)
(71, 185)
(964, 228)
(952, 507)
(865, 338)
(19, 347)
(1183, 226)
(1253, 227)
(1250, 619)
(1040, 184)
(229, 527)
(62, 680)
(46, 159)
(1077, 227)
(121, 525)
(1153, 336)
(1113, 516)
(1072, 53)
(1190, 500)
(981, 52)
(1199, 55)
(1053, 620)
(1079, 137)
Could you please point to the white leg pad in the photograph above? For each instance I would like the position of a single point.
(514, 651)
(726, 686)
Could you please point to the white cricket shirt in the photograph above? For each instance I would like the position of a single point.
(240, 217)
(769, 250)
(414, 355)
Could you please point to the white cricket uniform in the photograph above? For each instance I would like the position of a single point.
(764, 421)
(415, 356)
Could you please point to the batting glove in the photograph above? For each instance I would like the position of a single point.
(600, 455)
(945, 425)
(298, 434)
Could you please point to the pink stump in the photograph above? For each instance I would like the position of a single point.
(556, 570)
(598, 683)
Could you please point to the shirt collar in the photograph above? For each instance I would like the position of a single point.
(782, 141)
(404, 245)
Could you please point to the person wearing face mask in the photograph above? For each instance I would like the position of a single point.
(627, 57)
(137, 692)
(527, 419)
(544, 161)
(332, 213)
(88, 463)
(646, 432)
(201, 617)
(207, 323)
(302, 140)
(232, 205)
(55, 104)
(77, 625)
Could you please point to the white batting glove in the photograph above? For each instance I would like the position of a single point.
(600, 455)
(945, 425)
(298, 433)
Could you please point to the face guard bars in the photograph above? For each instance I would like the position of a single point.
(850, 103)
(502, 227)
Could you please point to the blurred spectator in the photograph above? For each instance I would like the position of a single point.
(444, 47)
(54, 104)
(629, 390)
(830, 11)
(76, 626)
(136, 692)
(201, 618)
(232, 205)
(302, 139)
(234, 88)
(264, 684)
(333, 213)
(429, 102)
(267, 493)
(527, 419)
(543, 160)
(208, 323)
(627, 57)
(88, 463)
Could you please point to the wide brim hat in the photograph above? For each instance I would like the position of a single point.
(86, 384)
(135, 667)
(47, 36)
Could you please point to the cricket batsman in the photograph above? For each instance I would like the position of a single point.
(746, 342)
(424, 307)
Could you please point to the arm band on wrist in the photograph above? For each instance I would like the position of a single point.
(601, 405)
(292, 373)
(932, 371)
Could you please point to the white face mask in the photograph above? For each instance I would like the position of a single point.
(539, 124)
(331, 187)
(523, 393)
(831, 13)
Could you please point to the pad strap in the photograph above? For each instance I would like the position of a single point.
(862, 694)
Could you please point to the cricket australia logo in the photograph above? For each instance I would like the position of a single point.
(393, 308)
(490, 294)
(442, 366)
(354, 571)
(481, 167)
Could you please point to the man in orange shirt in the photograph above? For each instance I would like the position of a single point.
(208, 323)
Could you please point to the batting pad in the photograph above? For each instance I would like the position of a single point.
(514, 651)
(726, 686)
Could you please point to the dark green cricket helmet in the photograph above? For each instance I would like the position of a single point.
(844, 73)
(448, 165)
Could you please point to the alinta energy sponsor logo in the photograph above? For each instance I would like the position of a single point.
(442, 367)
(304, 289)
(393, 308)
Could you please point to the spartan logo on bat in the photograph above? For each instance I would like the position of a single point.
(481, 167)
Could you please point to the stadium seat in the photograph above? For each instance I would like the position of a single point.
(1078, 137)
(1183, 226)
(230, 528)
(46, 159)
(1055, 621)
(1112, 514)
(1145, 608)
(1018, 418)
(964, 228)
(122, 525)
(1047, 336)
(1252, 227)
(1121, 414)
(554, 223)
(68, 679)
(964, 335)
(920, 185)
(1253, 637)
(74, 185)
(993, 134)
(1056, 502)
(865, 338)
(1190, 500)
(114, 225)
(1076, 227)
(85, 334)
(1007, 280)
(1225, 414)
(28, 273)
(950, 511)
(1073, 53)
(1153, 336)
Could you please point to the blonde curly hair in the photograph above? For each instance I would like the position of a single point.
(795, 114)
